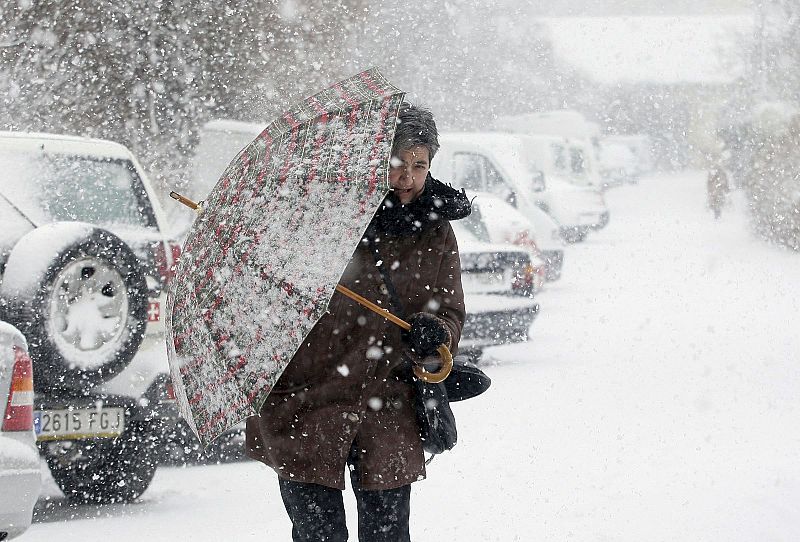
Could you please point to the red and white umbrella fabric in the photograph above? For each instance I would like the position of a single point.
(261, 261)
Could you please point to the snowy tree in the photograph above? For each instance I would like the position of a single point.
(148, 73)
(767, 139)
(776, 52)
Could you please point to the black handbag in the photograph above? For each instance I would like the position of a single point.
(435, 418)
(437, 423)
(465, 380)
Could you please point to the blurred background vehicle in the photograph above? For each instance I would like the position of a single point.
(498, 293)
(85, 261)
(571, 141)
(495, 221)
(504, 165)
(618, 164)
(20, 471)
(220, 142)
(639, 145)
(571, 161)
(624, 158)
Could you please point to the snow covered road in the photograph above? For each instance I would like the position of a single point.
(658, 400)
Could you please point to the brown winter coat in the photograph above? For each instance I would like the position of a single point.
(341, 386)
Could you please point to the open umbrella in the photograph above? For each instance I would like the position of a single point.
(261, 262)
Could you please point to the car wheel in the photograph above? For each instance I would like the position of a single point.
(102, 471)
(82, 307)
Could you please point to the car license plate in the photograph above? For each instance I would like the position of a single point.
(79, 423)
(483, 282)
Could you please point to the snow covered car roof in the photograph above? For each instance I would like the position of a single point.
(67, 144)
(501, 218)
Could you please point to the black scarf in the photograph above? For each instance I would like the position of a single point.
(437, 201)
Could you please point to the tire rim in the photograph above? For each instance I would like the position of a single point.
(88, 309)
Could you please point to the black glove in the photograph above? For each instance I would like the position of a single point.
(426, 334)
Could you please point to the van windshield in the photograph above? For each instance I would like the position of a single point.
(49, 187)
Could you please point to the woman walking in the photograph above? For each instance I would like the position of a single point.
(344, 402)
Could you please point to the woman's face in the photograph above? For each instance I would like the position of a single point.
(408, 171)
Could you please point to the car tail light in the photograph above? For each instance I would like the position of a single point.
(523, 238)
(166, 265)
(170, 391)
(523, 281)
(19, 410)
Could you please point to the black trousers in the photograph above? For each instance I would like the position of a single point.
(317, 512)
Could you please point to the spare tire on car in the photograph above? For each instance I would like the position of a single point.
(78, 294)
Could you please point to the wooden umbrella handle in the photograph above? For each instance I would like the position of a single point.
(186, 201)
(442, 373)
(419, 371)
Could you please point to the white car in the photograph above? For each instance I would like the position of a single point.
(495, 221)
(20, 472)
(502, 164)
(84, 263)
(498, 292)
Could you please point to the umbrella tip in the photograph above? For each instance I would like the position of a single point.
(186, 201)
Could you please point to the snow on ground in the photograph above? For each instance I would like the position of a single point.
(656, 401)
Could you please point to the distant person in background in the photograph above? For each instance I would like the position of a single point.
(717, 190)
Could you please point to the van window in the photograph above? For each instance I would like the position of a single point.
(468, 171)
(475, 172)
(577, 161)
(559, 156)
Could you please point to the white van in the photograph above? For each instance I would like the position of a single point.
(564, 122)
(569, 160)
(502, 165)
(565, 144)
(220, 142)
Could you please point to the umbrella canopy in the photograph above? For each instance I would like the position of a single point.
(261, 262)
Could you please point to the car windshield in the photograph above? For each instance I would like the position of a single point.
(474, 224)
(48, 187)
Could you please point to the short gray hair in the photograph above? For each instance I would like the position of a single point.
(415, 126)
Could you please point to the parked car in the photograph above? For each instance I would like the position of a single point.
(84, 262)
(495, 221)
(503, 165)
(498, 290)
(20, 472)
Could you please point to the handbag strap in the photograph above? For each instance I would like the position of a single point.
(394, 299)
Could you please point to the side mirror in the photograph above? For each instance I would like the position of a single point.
(537, 182)
(511, 198)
